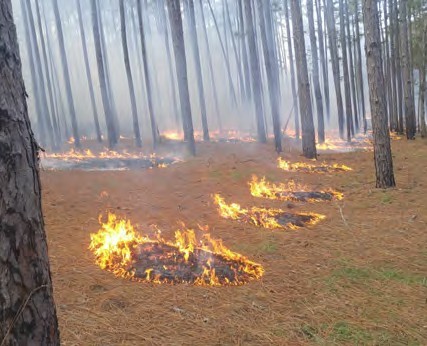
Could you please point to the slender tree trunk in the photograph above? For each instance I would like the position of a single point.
(88, 73)
(198, 66)
(308, 136)
(224, 53)
(272, 70)
(154, 129)
(332, 35)
(132, 95)
(407, 71)
(109, 120)
(211, 71)
(56, 133)
(323, 60)
(347, 91)
(316, 78)
(175, 20)
(351, 68)
(393, 106)
(292, 68)
(244, 51)
(255, 73)
(382, 147)
(65, 71)
(399, 70)
(27, 309)
(41, 85)
(388, 76)
(423, 86)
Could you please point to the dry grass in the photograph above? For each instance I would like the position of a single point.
(359, 277)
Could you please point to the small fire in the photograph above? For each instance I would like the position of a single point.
(359, 143)
(268, 218)
(119, 249)
(311, 168)
(230, 136)
(291, 191)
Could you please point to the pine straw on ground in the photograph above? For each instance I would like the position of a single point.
(358, 277)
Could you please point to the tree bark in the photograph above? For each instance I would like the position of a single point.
(332, 35)
(292, 68)
(307, 125)
(132, 95)
(382, 147)
(255, 73)
(399, 70)
(316, 78)
(423, 86)
(27, 307)
(393, 106)
(175, 20)
(65, 71)
(272, 71)
(88, 73)
(407, 71)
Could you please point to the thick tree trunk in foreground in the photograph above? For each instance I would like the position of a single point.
(382, 147)
(135, 120)
(255, 73)
(175, 19)
(66, 72)
(307, 125)
(27, 308)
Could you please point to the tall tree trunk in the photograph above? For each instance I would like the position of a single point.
(359, 68)
(407, 71)
(66, 73)
(399, 70)
(211, 71)
(316, 79)
(38, 64)
(109, 120)
(198, 66)
(154, 129)
(423, 86)
(323, 60)
(255, 73)
(352, 77)
(175, 19)
(347, 91)
(88, 72)
(271, 68)
(387, 74)
(307, 125)
(292, 68)
(332, 35)
(27, 309)
(225, 55)
(393, 106)
(382, 147)
(244, 52)
(132, 95)
(56, 135)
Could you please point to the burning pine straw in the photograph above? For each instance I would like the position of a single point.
(119, 249)
(311, 168)
(107, 160)
(267, 218)
(291, 191)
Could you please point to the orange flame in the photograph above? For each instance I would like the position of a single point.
(116, 247)
(311, 168)
(290, 191)
(262, 217)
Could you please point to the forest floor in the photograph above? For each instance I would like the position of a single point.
(357, 277)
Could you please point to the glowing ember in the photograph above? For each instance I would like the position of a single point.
(311, 168)
(119, 249)
(290, 192)
(267, 218)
